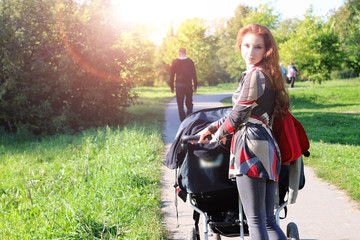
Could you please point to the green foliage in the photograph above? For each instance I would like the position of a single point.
(65, 66)
(135, 60)
(27, 62)
(200, 47)
(318, 45)
(263, 15)
(192, 35)
(314, 47)
(347, 26)
(283, 32)
(229, 56)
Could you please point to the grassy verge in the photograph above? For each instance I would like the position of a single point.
(99, 184)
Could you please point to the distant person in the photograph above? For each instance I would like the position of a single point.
(255, 157)
(185, 83)
(283, 71)
(291, 73)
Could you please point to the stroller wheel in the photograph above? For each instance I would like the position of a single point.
(292, 231)
(193, 235)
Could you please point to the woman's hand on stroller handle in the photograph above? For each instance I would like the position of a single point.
(205, 135)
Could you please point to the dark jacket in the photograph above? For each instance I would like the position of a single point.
(185, 72)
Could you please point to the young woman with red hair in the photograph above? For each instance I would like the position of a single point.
(255, 156)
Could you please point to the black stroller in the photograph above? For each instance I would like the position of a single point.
(202, 180)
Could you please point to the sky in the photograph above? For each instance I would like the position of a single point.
(162, 13)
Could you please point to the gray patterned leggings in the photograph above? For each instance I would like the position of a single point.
(258, 199)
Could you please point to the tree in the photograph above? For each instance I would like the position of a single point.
(27, 62)
(314, 47)
(347, 26)
(99, 91)
(135, 60)
(64, 65)
(192, 34)
(283, 31)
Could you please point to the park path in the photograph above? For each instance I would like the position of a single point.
(321, 212)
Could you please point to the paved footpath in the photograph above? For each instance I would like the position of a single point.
(321, 212)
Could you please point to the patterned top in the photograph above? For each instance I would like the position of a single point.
(254, 150)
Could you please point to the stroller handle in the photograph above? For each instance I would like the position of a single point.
(187, 138)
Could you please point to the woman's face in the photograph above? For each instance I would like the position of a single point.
(252, 48)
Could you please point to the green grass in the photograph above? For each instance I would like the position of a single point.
(99, 184)
(220, 88)
(149, 108)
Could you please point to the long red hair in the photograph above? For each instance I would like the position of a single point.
(269, 64)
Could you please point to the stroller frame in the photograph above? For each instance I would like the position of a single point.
(191, 203)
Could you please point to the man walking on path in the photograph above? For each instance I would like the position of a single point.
(185, 83)
(321, 211)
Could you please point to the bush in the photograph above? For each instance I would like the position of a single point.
(64, 67)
